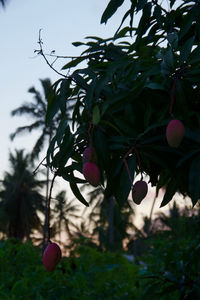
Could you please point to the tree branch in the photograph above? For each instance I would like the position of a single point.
(44, 56)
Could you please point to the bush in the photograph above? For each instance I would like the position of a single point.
(88, 275)
(172, 268)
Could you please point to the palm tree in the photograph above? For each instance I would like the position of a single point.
(64, 212)
(37, 110)
(3, 2)
(20, 198)
(110, 221)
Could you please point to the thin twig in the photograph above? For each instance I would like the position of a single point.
(64, 56)
(128, 171)
(42, 53)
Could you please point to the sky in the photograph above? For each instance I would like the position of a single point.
(62, 22)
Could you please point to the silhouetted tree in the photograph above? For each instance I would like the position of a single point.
(64, 212)
(36, 110)
(20, 197)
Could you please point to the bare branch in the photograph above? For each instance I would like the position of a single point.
(42, 53)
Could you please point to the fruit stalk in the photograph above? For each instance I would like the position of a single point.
(128, 171)
(49, 209)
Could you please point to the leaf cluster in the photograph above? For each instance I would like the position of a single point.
(130, 87)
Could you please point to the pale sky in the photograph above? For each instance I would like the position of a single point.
(62, 23)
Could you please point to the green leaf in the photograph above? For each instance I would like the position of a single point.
(186, 49)
(101, 146)
(111, 8)
(50, 150)
(64, 93)
(186, 25)
(158, 15)
(123, 190)
(77, 193)
(65, 150)
(69, 177)
(61, 130)
(154, 86)
(77, 44)
(169, 58)
(187, 157)
(96, 115)
(193, 135)
(73, 63)
(58, 101)
(169, 193)
(144, 23)
(172, 3)
(173, 39)
(80, 80)
(122, 32)
(91, 90)
(194, 180)
(52, 108)
(141, 4)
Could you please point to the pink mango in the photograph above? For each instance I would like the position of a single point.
(139, 191)
(174, 133)
(89, 155)
(51, 256)
(91, 173)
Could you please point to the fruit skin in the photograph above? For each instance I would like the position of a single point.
(174, 133)
(91, 173)
(139, 191)
(51, 256)
(89, 155)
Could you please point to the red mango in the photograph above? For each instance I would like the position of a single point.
(51, 256)
(174, 133)
(89, 155)
(91, 173)
(139, 191)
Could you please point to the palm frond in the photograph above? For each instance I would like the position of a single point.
(38, 146)
(3, 2)
(24, 129)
